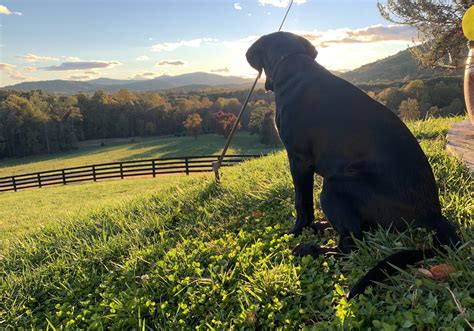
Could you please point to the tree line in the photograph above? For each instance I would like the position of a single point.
(423, 98)
(41, 122)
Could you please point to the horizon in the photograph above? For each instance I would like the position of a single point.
(143, 40)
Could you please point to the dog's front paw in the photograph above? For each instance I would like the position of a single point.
(307, 249)
(320, 226)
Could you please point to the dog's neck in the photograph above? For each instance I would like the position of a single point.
(272, 77)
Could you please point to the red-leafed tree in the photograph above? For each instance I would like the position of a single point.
(224, 122)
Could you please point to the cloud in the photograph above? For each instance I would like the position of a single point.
(6, 67)
(370, 34)
(221, 70)
(279, 3)
(240, 43)
(142, 58)
(92, 73)
(144, 75)
(82, 65)
(169, 47)
(79, 77)
(167, 63)
(237, 6)
(71, 58)
(36, 58)
(31, 69)
(10, 69)
(5, 11)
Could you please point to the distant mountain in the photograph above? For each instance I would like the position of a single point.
(197, 79)
(399, 67)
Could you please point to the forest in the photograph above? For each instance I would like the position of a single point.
(42, 122)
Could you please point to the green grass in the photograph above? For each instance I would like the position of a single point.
(27, 210)
(143, 148)
(200, 255)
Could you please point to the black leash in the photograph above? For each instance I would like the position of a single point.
(217, 164)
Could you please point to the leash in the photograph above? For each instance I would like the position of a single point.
(217, 164)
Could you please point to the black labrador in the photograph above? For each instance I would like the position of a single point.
(374, 171)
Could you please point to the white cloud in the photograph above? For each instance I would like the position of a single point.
(370, 34)
(82, 65)
(144, 75)
(169, 63)
(31, 69)
(6, 67)
(279, 3)
(237, 6)
(36, 58)
(71, 58)
(221, 70)
(243, 43)
(5, 11)
(79, 77)
(142, 58)
(169, 47)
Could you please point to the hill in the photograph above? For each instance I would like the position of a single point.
(165, 82)
(201, 255)
(399, 67)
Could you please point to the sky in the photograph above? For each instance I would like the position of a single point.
(143, 39)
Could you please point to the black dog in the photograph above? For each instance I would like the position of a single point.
(375, 173)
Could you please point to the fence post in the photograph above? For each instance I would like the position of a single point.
(93, 173)
(14, 183)
(121, 170)
(153, 167)
(39, 179)
(64, 177)
(187, 165)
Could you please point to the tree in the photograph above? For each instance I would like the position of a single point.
(409, 109)
(193, 124)
(224, 122)
(256, 119)
(268, 132)
(439, 28)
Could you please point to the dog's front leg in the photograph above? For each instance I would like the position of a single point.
(302, 171)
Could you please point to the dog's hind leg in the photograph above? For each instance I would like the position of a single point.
(302, 171)
(339, 199)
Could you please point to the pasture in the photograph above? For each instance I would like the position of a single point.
(195, 254)
(115, 150)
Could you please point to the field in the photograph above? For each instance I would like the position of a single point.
(125, 149)
(196, 254)
(56, 204)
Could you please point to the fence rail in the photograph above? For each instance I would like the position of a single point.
(96, 172)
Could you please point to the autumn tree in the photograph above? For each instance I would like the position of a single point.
(268, 132)
(409, 109)
(192, 124)
(438, 23)
(224, 122)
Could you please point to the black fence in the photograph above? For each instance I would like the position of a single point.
(150, 167)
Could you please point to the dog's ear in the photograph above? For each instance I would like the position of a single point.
(310, 49)
(255, 57)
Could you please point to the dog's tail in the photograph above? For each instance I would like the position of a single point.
(445, 235)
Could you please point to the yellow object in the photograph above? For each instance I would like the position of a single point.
(468, 23)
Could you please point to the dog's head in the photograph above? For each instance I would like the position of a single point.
(266, 52)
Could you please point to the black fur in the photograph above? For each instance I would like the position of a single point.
(375, 173)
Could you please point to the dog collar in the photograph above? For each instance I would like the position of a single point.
(283, 58)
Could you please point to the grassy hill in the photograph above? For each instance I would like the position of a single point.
(399, 67)
(201, 255)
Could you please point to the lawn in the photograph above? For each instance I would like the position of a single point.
(200, 255)
(122, 149)
(27, 210)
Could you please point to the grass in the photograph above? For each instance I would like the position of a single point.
(200, 255)
(57, 204)
(143, 148)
